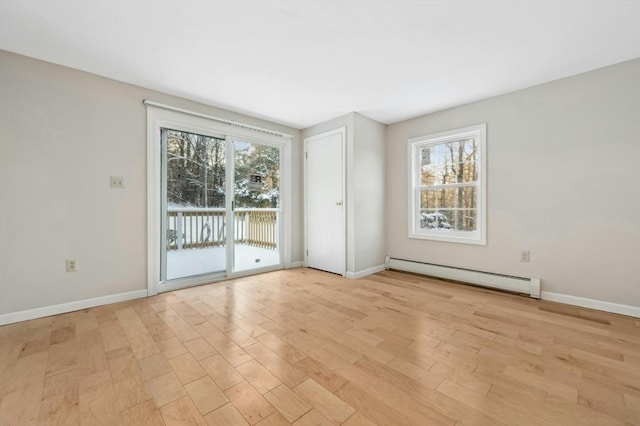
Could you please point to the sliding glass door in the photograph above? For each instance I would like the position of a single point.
(193, 204)
(256, 205)
(205, 232)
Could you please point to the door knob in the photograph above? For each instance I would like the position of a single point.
(338, 203)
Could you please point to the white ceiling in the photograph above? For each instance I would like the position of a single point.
(303, 62)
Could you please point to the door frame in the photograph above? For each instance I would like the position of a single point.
(342, 131)
(164, 116)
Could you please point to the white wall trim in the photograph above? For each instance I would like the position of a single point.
(616, 308)
(365, 272)
(76, 305)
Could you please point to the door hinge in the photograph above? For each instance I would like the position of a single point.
(306, 155)
(307, 252)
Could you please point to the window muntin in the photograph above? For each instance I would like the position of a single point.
(447, 184)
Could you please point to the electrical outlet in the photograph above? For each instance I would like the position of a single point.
(116, 182)
(72, 265)
(524, 256)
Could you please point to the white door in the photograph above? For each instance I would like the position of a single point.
(324, 201)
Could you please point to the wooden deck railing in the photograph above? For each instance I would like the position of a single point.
(200, 228)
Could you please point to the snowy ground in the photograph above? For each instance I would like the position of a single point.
(188, 262)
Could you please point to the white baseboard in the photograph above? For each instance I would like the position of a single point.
(364, 272)
(527, 285)
(616, 308)
(76, 305)
(292, 265)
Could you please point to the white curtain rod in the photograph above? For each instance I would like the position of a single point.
(211, 117)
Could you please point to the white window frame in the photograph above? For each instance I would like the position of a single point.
(414, 165)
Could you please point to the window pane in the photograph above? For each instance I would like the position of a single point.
(195, 170)
(468, 220)
(195, 195)
(429, 199)
(441, 198)
(436, 165)
(468, 198)
(455, 220)
(463, 157)
(449, 162)
(427, 176)
(462, 220)
(447, 198)
(261, 160)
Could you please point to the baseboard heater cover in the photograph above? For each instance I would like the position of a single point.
(530, 286)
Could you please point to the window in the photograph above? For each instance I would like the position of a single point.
(447, 183)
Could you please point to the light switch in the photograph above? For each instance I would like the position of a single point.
(116, 182)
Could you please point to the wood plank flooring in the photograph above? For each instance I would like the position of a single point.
(305, 347)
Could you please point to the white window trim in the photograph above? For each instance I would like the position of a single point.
(413, 145)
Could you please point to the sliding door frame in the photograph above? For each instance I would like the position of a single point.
(162, 116)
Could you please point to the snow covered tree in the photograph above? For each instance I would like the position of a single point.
(196, 172)
(262, 160)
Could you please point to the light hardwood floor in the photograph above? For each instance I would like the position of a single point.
(305, 347)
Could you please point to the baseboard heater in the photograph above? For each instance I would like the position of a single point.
(530, 286)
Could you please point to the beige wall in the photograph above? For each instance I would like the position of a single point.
(555, 151)
(369, 193)
(63, 132)
(563, 182)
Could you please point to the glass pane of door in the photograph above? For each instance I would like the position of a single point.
(193, 204)
(256, 213)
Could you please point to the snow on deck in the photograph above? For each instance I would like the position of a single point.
(188, 262)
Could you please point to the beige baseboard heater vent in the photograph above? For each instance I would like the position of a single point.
(530, 286)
